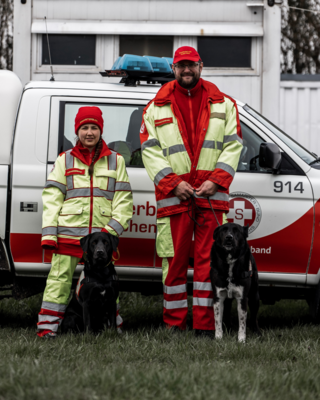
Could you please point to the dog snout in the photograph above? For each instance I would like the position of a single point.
(229, 236)
(100, 253)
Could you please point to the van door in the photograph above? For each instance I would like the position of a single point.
(122, 120)
(277, 207)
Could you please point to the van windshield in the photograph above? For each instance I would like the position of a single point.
(303, 153)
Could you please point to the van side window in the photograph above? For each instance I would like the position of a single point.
(249, 160)
(121, 129)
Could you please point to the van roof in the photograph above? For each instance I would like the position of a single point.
(112, 86)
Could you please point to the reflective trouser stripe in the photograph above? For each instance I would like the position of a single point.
(69, 164)
(48, 318)
(116, 226)
(123, 186)
(226, 167)
(177, 148)
(202, 302)
(202, 286)
(175, 289)
(162, 174)
(170, 305)
(53, 306)
(49, 230)
(65, 230)
(52, 327)
(58, 185)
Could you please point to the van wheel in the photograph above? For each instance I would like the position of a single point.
(314, 305)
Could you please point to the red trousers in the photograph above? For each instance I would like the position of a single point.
(175, 307)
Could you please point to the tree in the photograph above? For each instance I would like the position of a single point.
(6, 34)
(300, 43)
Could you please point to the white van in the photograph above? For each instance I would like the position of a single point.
(281, 205)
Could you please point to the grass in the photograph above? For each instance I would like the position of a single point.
(148, 362)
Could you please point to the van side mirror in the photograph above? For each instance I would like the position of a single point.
(269, 156)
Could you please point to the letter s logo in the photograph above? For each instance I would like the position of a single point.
(238, 213)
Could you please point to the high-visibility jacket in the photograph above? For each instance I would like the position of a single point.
(168, 158)
(75, 204)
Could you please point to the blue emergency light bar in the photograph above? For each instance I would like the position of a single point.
(132, 69)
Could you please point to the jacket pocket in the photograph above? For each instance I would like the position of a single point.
(71, 210)
(105, 212)
(164, 242)
(109, 173)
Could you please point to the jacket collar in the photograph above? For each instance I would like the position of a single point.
(164, 95)
(187, 92)
(82, 153)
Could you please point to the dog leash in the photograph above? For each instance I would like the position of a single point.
(195, 207)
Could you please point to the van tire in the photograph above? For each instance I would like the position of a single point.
(314, 305)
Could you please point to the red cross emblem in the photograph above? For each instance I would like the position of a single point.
(241, 212)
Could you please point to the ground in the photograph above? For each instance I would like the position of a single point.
(149, 362)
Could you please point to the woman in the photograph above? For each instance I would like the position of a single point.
(87, 191)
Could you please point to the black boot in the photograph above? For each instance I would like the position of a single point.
(204, 334)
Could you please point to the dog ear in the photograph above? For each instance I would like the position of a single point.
(245, 230)
(84, 243)
(114, 242)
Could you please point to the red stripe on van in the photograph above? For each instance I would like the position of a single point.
(26, 247)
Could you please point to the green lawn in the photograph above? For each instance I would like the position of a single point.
(148, 362)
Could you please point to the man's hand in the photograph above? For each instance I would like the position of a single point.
(183, 191)
(207, 189)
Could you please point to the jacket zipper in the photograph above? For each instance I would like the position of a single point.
(91, 199)
(191, 118)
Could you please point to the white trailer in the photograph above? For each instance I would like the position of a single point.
(239, 40)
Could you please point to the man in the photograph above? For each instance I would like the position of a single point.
(191, 144)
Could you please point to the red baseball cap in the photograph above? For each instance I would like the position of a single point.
(88, 115)
(186, 53)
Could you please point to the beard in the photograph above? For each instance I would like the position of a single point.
(192, 83)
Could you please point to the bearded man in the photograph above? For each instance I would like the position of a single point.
(191, 143)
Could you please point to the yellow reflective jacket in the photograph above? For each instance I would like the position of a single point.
(167, 156)
(75, 204)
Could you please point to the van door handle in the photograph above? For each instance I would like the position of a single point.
(28, 207)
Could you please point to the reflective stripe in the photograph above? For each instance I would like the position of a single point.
(69, 164)
(83, 192)
(111, 184)
(177, 148)
(150, 143)
(48, 318)
(94, 230)
(65, 230)
(52, 327)
(232, 138)
(58, 185)
(219, 145)
(170, 305)
(218, 196)
(172, 201)
(226, 167)
(103, 193)
(123, 186)
(49, 230)
(218, 115)
(112, 160)
(202, 286)
(116, 226)
(162, 174)
(202, 302)
(175, 289)
(119, 320)
(208, 144)
(46, 305)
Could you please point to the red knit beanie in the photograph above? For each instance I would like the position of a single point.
(88, 115)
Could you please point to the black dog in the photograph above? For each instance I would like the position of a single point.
(234, 274)
(93, 305)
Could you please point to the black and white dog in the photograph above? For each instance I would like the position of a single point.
(234, 274)
(93, 305)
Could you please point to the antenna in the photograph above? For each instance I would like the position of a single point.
(52, 77)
